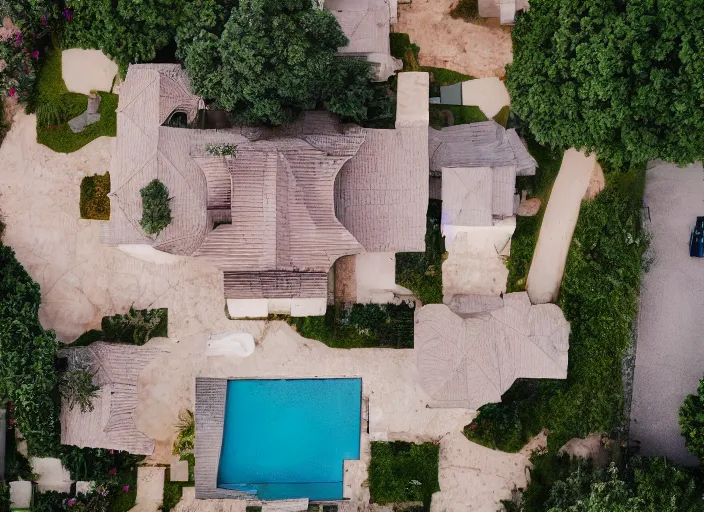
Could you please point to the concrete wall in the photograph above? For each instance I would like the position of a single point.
(261, 308)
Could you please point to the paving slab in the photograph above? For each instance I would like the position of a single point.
(669, 351)
(20, 494)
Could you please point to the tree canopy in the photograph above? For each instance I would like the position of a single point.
(156, 211)
(624, 79)
(274, 59)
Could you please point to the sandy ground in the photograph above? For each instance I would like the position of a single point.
(489, 94)
(548, 265)
(81, 281)
(87, 70)
(669, 352)
(479, 50)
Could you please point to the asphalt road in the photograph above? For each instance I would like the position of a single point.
(670, 347)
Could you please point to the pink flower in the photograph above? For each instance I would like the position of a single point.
(473, 426)
(35, 54)
(126, 488)
(44, 21)
(11, 92)
(71, 502)
(67, 14)
(113, 471)
(112, 451)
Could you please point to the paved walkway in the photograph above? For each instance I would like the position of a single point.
(670, 351)
(150, 489)
(555, 238)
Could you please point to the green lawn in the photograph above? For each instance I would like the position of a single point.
(403, 472)
(52, 94)
(461, 114)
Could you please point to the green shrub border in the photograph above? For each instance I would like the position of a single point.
(124, 332)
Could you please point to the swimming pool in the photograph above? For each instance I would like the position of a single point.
(285, 439)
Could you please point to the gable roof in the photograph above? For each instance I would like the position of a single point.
(366, 23)
(483, 144)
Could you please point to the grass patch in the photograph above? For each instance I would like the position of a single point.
(502, 116)
(173, 491)
(527, 228)
(95, 203)
(467, 10)
(361, 326)
(53, 99)
(421, 272)
(403, 472)
(451, 115)
(123, 501)
(599, 298)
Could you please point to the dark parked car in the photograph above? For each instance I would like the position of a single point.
(696, 239)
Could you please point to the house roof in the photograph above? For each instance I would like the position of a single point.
(381, 194)
(292, 200)
(366, 23)
(483, 144)
(110, 424)
(469, 362)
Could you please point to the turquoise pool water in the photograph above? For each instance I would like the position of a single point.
(287, 439)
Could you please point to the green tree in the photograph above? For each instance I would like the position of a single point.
(129, 31)
(276, 58)
(692, 422)
(624, 79)
(156, 212)
(198, 16)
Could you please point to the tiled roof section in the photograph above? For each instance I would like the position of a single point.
(282, 209)
(364, 22)
(275, 284)
(111, 423)
(484, 144)
(381, 194)
(466, 196)
(469, 362)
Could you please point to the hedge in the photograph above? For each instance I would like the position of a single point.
(599, 298)
(137, 326)
(451, 115)
(360, 326)
(403, 472)
(94, 202)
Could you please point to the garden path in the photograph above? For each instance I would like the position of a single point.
(479, 49)
(150, 489)
(669, 351)
(555, 238)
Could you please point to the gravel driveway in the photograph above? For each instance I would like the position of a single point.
(670, 350)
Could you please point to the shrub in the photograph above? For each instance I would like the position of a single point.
(51, 113)
(422, 272)
(360, 326)
(97, 464)
(403, 472)
(221, 149)
(692, 422)
(451, 115)
(137, 326)
(185, 441)
(94, 201)
(27, 367)
(156, 212)
(77, 388)
(468, 10)
(87, 338)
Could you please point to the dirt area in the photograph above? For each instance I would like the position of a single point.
(479, 49)
(87, 70)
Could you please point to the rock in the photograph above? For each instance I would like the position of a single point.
(87, 118)
(529, 207)
(590, 447)
(83, 487)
